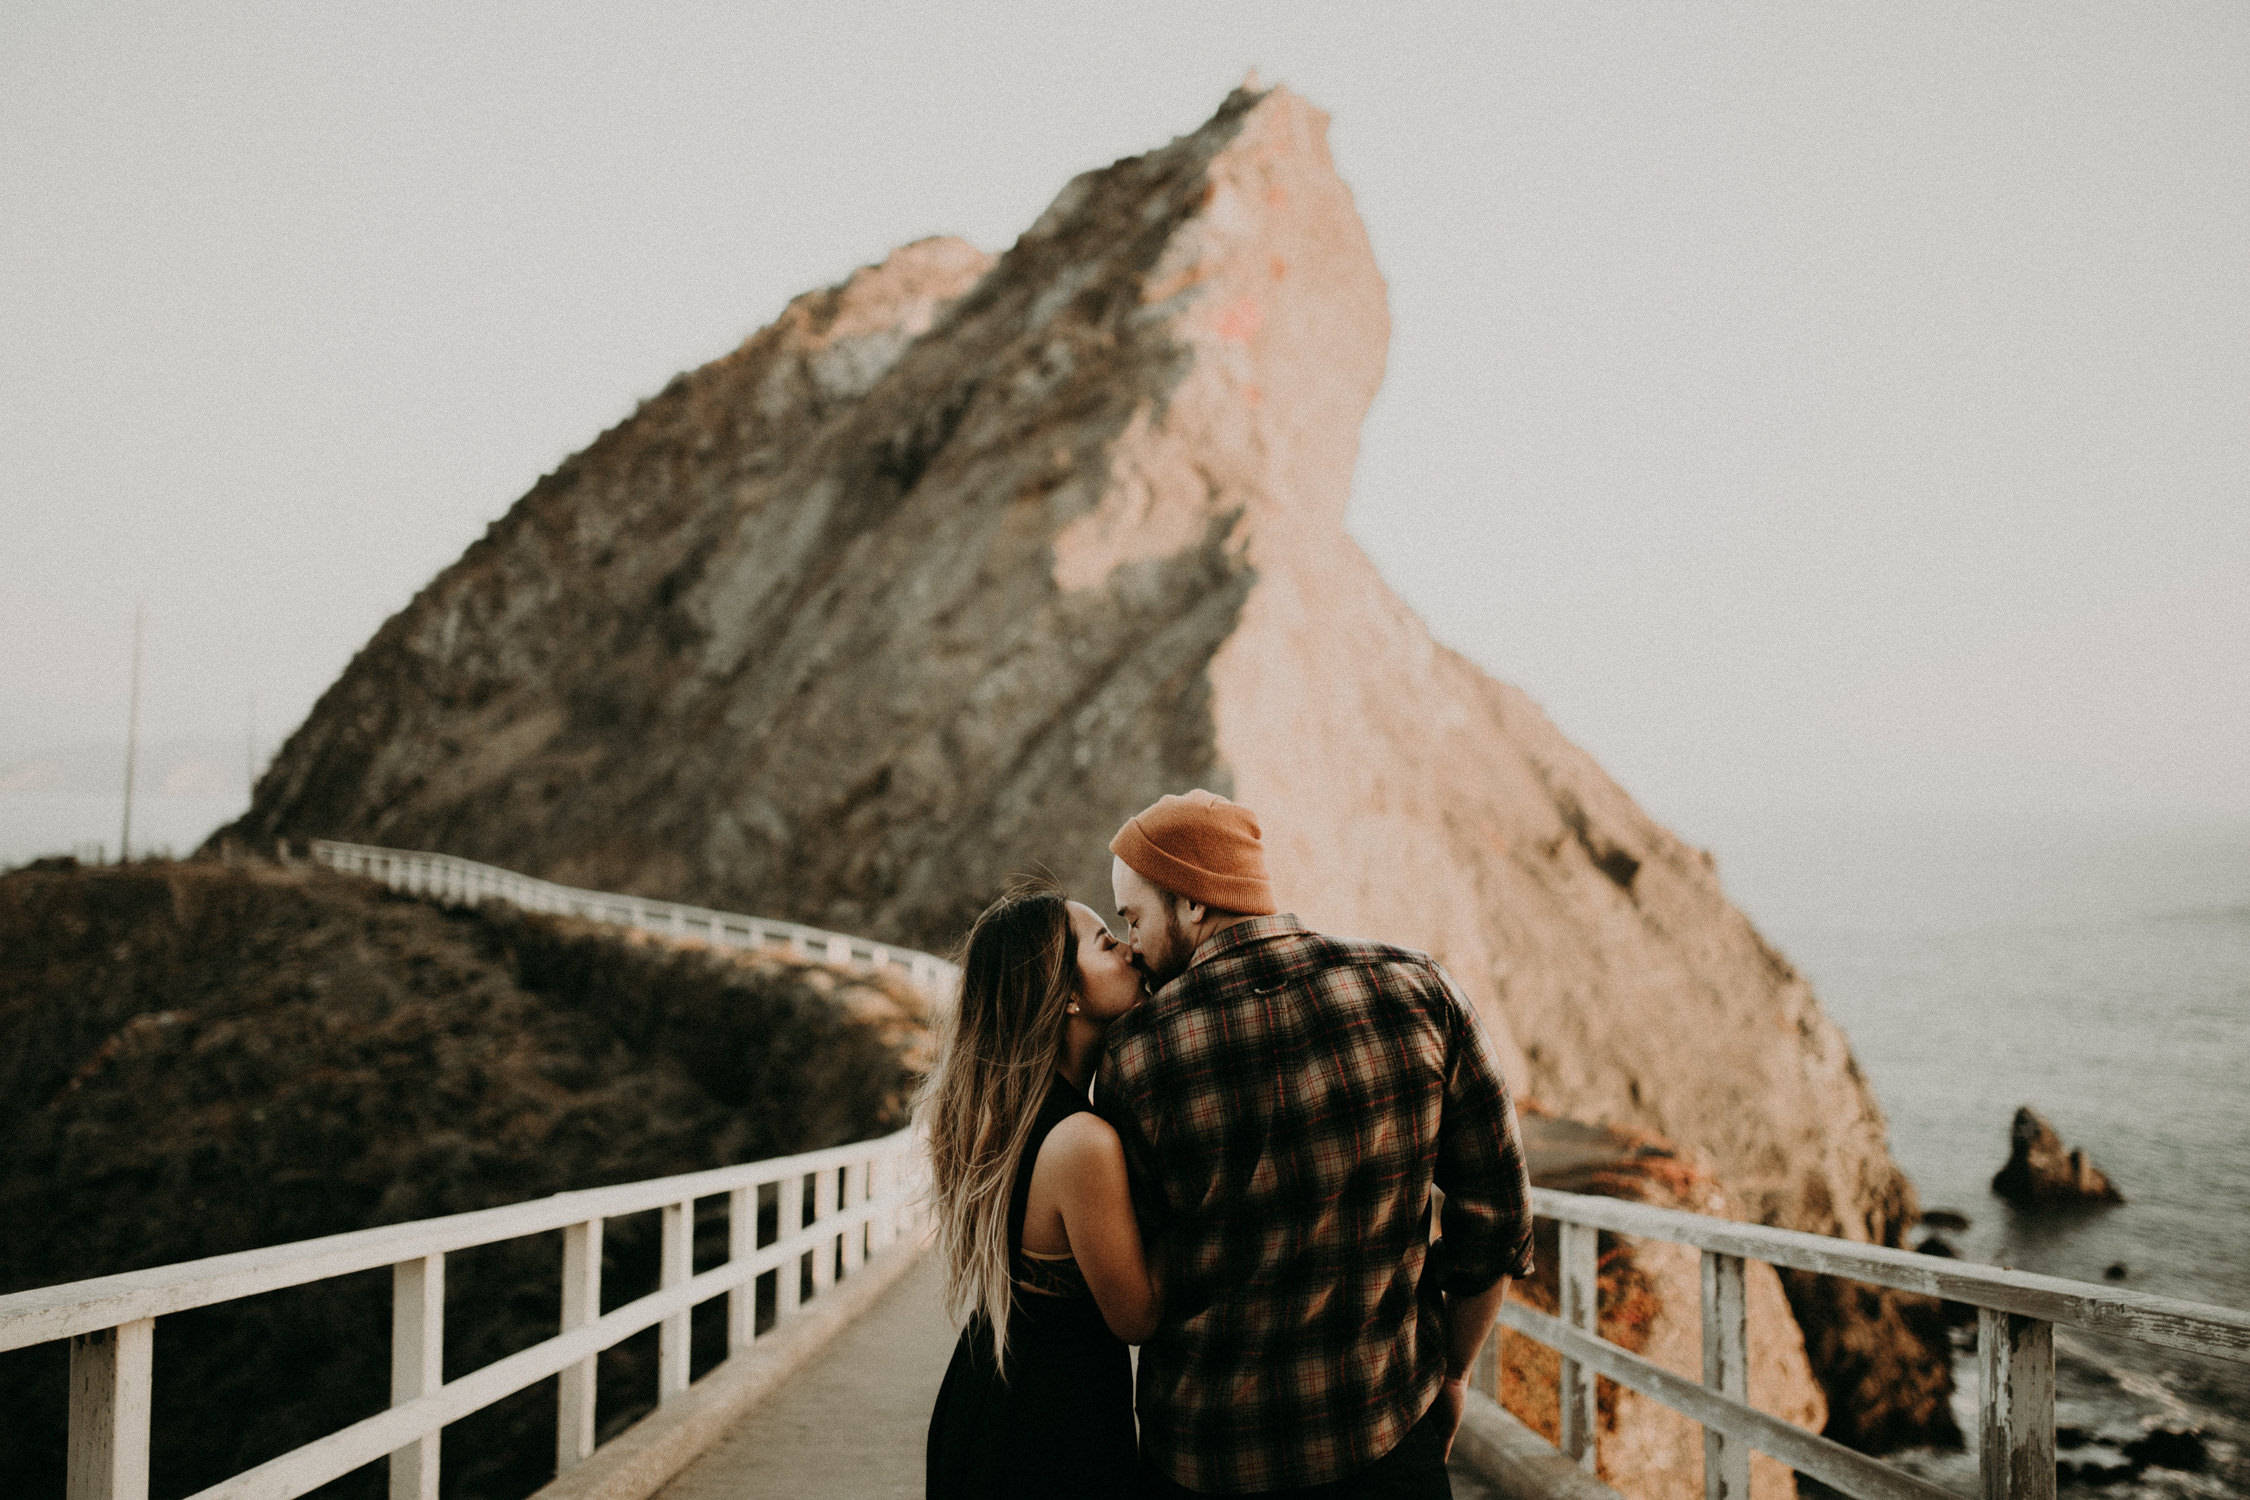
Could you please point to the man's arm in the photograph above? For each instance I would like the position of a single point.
(1481, 1169)
(1486, 1219)
(1469, 1317)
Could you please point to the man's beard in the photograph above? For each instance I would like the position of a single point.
(1176, 952)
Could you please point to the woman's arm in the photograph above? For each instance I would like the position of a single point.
(1089, 1188)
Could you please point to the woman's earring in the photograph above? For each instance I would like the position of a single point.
(1074, 1007)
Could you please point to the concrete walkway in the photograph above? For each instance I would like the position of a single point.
(850, 1424)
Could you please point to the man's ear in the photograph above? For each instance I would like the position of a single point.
(1194, 912)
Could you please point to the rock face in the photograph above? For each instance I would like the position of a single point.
(2041, 1169)
(957, 565)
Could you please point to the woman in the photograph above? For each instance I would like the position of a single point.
(1034, 1223)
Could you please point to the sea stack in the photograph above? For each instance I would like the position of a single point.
(955, 566)
(2041, 1169)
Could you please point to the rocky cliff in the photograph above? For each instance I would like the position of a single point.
(961, 562)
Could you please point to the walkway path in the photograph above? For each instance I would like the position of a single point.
(850, 1424)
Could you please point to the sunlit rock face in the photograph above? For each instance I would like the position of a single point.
(957, 565)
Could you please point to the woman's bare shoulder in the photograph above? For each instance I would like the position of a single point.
(1081, 1139)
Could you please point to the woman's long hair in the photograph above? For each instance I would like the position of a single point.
(997, 1054)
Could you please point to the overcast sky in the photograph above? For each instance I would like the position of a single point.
(1840, 407)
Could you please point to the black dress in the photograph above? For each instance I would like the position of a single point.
(1061, 1424)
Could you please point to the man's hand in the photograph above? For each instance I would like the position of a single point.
(1451, 1404)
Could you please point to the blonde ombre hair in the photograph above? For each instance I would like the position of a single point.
(997, 1055)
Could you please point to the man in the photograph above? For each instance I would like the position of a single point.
(1286, 1102)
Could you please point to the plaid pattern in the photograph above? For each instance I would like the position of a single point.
(1286, 1105)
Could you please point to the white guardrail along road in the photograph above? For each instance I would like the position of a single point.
(455, 881)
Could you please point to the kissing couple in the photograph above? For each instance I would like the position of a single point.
(1248, 1196)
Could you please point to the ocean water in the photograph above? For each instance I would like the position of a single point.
(2101, 976)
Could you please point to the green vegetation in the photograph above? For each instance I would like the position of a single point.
(198, 1058)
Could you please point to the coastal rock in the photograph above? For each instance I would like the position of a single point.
(2041, 1169)
(957, 565)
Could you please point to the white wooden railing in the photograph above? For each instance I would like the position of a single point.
(451, 879)
(2016, 1317)
(834, 1209)
(858, 1198)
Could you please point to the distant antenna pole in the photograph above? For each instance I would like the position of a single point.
(132, 741)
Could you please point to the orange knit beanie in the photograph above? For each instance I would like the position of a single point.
(1203, 847)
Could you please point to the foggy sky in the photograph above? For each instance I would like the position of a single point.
(1839, 409)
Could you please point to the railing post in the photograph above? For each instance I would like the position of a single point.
(880, 1228)
(851, 1189)
(889, 1185)
(110, 1375)
(672, 1334)
(417, 1366)
(824, 1244)
(2016, 1420)
(863, 1233)
(790, 1218)
(581, 1304)
(1726, 1369)
(742, 1242)
(1579, 1267)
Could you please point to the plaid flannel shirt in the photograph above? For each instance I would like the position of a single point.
(1286, 1105)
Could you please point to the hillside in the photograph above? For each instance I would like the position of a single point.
(197, 1059)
